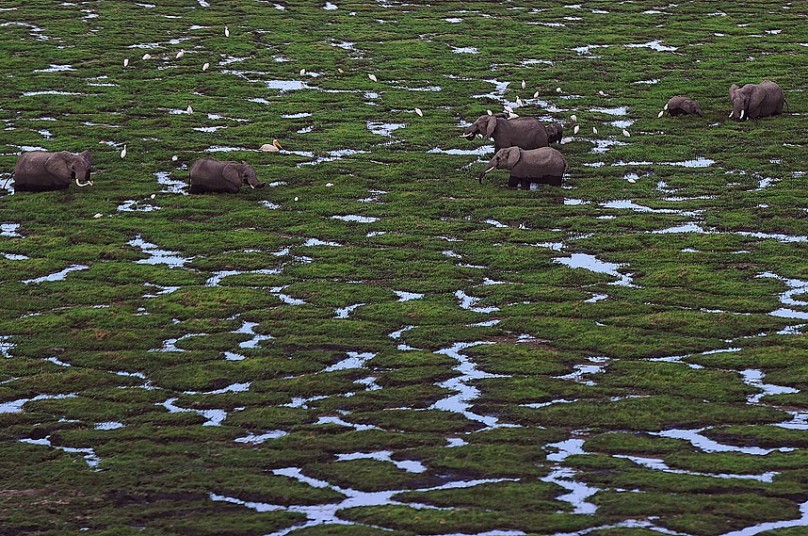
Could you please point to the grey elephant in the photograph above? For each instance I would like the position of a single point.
(756, 100)
(681, 105)
(40, 171)
(209, 175)
(544, 166)
(524, 132)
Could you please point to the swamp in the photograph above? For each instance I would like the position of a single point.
(375, 343)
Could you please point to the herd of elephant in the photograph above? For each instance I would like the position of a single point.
(521, 146)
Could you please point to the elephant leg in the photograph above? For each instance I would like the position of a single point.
(526, 184)
(513, 182)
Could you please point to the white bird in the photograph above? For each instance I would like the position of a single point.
(512, 115)
(189, 109)
(174, 158)
(373, 77)
(661, 113)
(329, 184)
(99, 215)
(302, 72)
(576, 129)
(626, 133)
(226, 31)
(489, 112)
(419, 112)
(146, 56)
(601, 93)
(508, 109)
(297, 199)
(518, 101)
(126, 62)
(594, 130)
(206, 66)
(152, 196)
(536, 95)
(123, 152)
(180, 54)
(273, 147)
(558, 90)
(523, 84)
(340, 70)
(573, 117)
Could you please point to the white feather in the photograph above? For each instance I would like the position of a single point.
(419, 112)
(373, 77)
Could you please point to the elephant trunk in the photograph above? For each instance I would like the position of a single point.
(485, 172)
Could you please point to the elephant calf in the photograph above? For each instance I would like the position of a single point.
(209, 175)
(41, 171)
(680, 105)
(544, 166)
(756, 100)
(524, 132)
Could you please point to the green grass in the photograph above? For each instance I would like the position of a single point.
(675, 343)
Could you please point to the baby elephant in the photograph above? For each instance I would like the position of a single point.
(756, 100)
(680, 105)
(543, 166)
(524, 132)
(40, 171)
(213, 176)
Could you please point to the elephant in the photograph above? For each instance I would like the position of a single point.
(524, 132)
(209, 175)
(680, 105)
(756, 100)
(41, 171)
(543, 166)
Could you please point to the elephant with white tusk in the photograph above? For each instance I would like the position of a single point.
(543, 166)
(680, 105)
(40, 171)
(524, 132)
(756, 100)
(209, 175)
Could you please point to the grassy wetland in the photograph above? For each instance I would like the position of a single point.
(375, 343)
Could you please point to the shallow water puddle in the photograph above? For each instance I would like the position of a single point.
(565, 477)
(802, 521)
(598, 366)
(170, 345)
(396, 335)
(232, 388)
(593, 264)
(470, 303)
(404, 296)
(754, 378)
(461, 402)
(132, 205)
(285, 298)
(657, 464)
(248, 328)
(311, 242)
(108, 425)
(355, 218)
(214, 416)
(353, 361)
(411, 466)
(384, 129)
(339, 421)
(217, 277)
(796, 287)
(162, 290)
(16, 406)
(332, 156)
(6, 346)
(345, 312)
(254, 439)
(89, 455)
(58, 276)
(327, 514)
(705, 444)
(172, 259)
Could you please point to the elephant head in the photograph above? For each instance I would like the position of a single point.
(503, 159)
(484, 126)
(744, 98)
(69, 166)
(554, 132)
(239, 174)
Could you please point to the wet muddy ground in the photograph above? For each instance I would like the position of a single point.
(375, 343)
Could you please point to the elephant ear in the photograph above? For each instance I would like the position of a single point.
(756, 99)
(511, 157)
(57, 165)
(489, 125)
(732, 89)
(231, 174)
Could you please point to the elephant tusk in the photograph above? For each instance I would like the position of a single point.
(80, 185)
(730, 114)
(488, 170)
(742, 113)
(253, 187)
